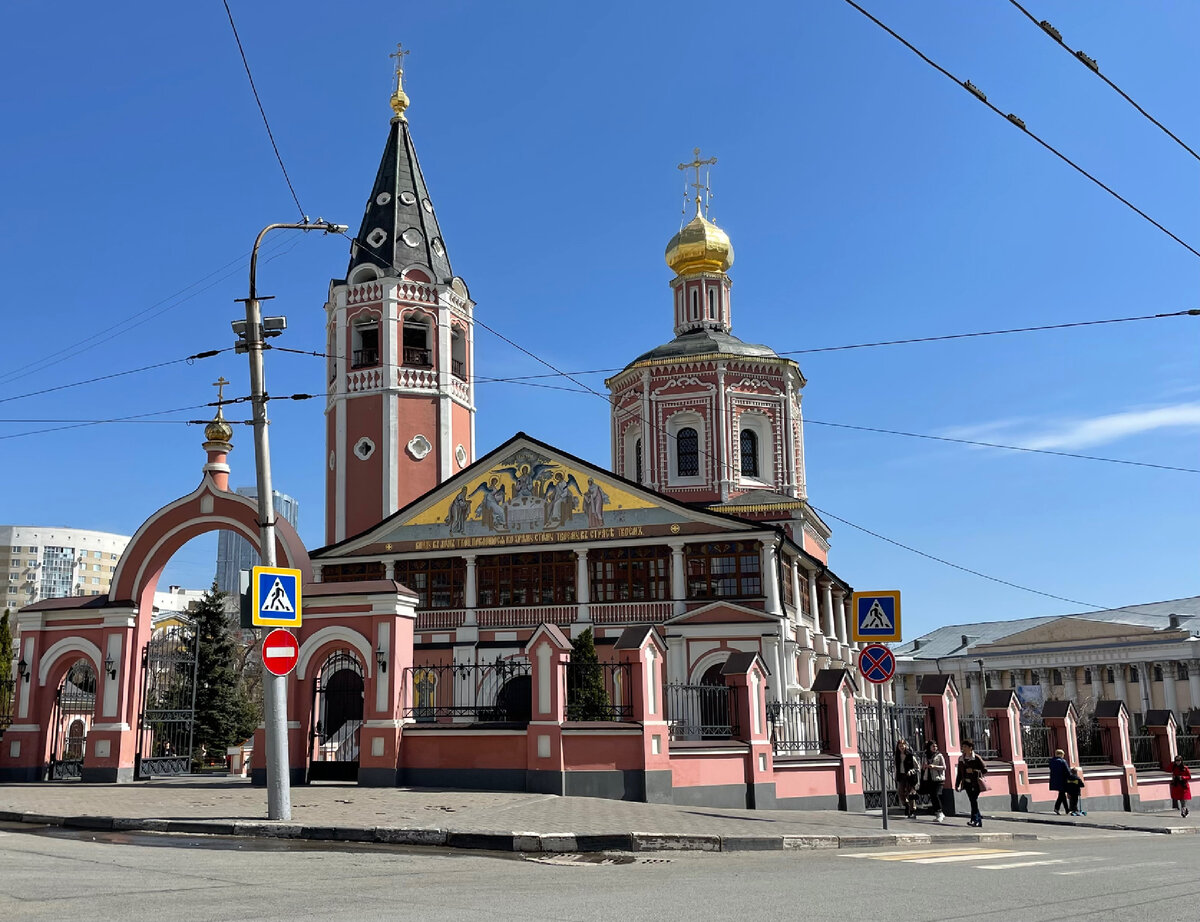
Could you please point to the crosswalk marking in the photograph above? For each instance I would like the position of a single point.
(909, 853)
(955, 858)
(1023, 864)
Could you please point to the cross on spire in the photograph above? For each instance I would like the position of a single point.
(399, 54)
(695, 165)
(219, 384)
(399, 97)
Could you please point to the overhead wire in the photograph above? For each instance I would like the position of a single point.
(1020, 123)
(1091, 64)
(97, 422)
(263, 112)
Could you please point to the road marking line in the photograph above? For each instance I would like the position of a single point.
(1021, 864)
(926, 853)
(953, 858)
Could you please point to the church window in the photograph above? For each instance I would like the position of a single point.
(712, 304)
(546, 578)
(687, 452)
(789, 597)
(749, 453)
(1183, 670)
(458, 354)
(349, 572)
(417, 349)
(1056, 677)
(424, 694)
(723, 570)
(1111, 676)
(436, 583)
(1087, 676)
(1158, 673)
(630, 574)
(695, 304)
(366, 345)
(1133, 674)
(637, 460)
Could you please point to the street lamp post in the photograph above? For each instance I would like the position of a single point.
(279, 792)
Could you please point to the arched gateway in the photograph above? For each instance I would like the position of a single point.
(79, 699)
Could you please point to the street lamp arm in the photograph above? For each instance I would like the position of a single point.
(320, 224)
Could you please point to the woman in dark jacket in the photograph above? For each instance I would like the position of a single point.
(969, 778)
(906, 778)
(1181, 788)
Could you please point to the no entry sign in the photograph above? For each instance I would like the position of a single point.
(280, 652)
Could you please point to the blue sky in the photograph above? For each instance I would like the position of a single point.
(867, 197)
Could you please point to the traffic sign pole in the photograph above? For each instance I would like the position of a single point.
(882, 754)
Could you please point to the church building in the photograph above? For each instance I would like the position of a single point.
(701, 529)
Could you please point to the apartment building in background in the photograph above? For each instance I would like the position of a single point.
(235, 553)
(48, 562)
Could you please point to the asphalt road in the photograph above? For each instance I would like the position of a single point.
(56, 874)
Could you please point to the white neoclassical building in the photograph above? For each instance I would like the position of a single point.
(1146, 655)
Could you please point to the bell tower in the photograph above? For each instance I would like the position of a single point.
(400, 411)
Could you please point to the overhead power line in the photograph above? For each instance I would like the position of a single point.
(97, 422)
(263, 112)
(190, 359)
(1020, 123)
(1090, 63)
(1038, 451)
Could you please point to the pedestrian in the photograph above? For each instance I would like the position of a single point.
(1181, 788)
(1074, 787)
(1058, 779)
(906, 778)
(969, 778)
(933, 778)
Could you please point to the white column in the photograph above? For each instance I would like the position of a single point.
(1144, 686)
(1120, 688)
(839, 616)
(470, 594)
(794, 575)
(770, 568)
(582, 585)
(1097, 683)
(976, 694)
(1070, 687)
(828, 628)
(848, 620)
(1170, 700)
(721, 440)
(678, 580)
(898, 688)
(814, 603)
(1194, 683)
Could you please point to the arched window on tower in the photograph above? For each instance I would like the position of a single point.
(687, 452)
(458, 354)
(749, 453)
(695, 304)
(712, 304)
(417, 338)
(637, 459)
(366, 344)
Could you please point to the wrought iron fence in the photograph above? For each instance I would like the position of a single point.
(702, 712)
(908, 723)
(166, 724)
(983, 732)
(1186, 746)
(1093, 743)
(797, 726)
(599, 691)
(501, 691)
(1143, 752)
(1035, 740)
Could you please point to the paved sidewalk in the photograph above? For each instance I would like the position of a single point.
(509, 821)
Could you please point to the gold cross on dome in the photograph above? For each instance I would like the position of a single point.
(219, 384)
(399, 54)
(695, 165)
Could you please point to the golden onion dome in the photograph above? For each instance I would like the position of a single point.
(700, 246)
(218, 430)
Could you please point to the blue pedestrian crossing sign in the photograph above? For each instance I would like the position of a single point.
(276, 597)
(876, 616)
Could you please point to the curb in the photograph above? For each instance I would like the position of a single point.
(515, 841)
(1117, 827)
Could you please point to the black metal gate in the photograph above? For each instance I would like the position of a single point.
(899, 722)
(167, 722)
(337, 719)
(74, 707)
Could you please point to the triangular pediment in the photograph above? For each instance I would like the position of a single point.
(720, 612)
(527, 493)
(1072, 630)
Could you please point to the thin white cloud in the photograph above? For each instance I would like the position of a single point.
(1112, 427)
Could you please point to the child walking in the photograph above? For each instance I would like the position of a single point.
(1181, 788)
(1074, 787)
